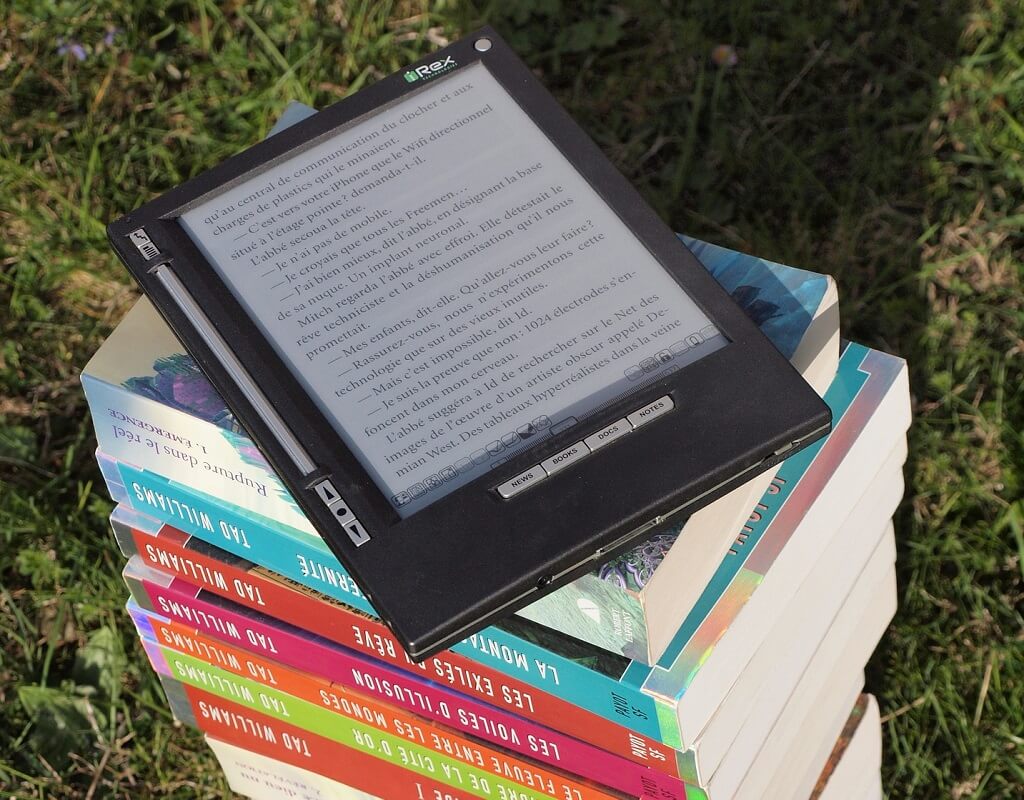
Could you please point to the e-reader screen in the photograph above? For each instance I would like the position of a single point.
(446, 286)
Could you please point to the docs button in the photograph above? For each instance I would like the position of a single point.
(610, 434)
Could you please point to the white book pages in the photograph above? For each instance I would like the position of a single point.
(808, 618)
(835, 501)
(790, 747)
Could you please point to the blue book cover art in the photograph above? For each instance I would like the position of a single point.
(781, 300)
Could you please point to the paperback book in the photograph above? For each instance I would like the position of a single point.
(850, 771)
(366, 767)
(558, 750)
(865, 613)
(263, 778)
(817, 709)
(776, 736)
(757, 697)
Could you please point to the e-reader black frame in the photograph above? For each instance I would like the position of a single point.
(448, 569)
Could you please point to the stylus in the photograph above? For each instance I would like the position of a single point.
(176, 289)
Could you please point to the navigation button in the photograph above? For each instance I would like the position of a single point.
(522, 481)
(609, 434)
(341, 511)
(325, 489)
(568, 456)
(651, 411)
(357, 533)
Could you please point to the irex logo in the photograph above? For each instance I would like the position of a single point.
(430, 70)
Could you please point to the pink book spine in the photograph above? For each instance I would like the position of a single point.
(420, 696)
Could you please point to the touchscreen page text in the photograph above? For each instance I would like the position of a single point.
(446, 286)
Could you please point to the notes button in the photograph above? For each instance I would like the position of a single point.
(650, 411)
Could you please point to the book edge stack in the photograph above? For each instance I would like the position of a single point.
(709, 743)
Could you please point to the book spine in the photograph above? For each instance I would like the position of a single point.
(365, 767)
(243, 534)
(558, 677)
(369, 676)
(574, 757)
(343, 626)
(360, 717)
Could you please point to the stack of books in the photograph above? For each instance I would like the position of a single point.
(723, 658)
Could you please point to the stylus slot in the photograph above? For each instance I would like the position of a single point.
(237, 373)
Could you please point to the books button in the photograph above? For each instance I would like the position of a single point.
(569, 455)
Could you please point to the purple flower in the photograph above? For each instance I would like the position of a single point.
(108, 39)
(73, 47)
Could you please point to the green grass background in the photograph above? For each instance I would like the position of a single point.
(878, 141)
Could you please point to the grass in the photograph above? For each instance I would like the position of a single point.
(878, 141)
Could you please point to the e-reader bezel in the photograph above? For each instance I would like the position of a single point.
(612, 495)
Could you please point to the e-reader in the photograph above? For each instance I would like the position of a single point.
(477, 359)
